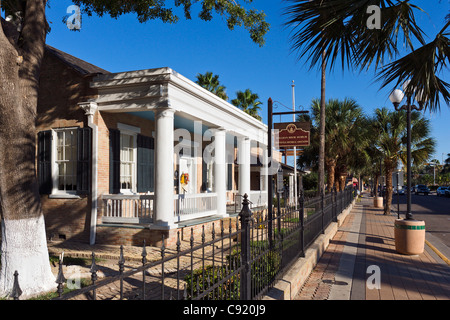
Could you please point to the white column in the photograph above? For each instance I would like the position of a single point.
(163, 206)
(90, 109)
(244, 165)
(220, 179)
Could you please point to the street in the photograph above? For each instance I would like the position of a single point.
(434, 210)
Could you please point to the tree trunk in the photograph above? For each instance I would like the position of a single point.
(24, 246)
(322, 128)
(375, 185)
(342, 182)
(388, 172)
(331, 168)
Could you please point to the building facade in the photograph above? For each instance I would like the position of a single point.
(123, 157)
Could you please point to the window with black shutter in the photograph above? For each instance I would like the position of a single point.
(131, 161)
(64, 161)
(84, 151)
(114, 161)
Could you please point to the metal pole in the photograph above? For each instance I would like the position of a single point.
(408, 158)
(302, 221)
(295, 149)
(398, 197)
(270, 181)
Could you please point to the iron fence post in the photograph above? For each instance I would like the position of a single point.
(245, 217)
(93, 272)
(60, 280)
(322, 191)
(302, 222)
(144, 261)
(121, 269)
(334, 199)
(16, 291)
(163, 255)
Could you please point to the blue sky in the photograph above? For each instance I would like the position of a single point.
(195, 46)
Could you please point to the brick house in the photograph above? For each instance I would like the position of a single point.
(123, 157)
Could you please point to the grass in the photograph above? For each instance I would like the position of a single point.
(51, 295)
(54, 260)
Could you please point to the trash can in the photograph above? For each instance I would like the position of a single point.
(378, 202)
(409, 236)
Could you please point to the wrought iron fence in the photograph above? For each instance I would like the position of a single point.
(239, 259)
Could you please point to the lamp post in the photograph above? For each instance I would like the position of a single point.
(409, 233)
(396, 98)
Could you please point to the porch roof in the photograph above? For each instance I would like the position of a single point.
(145, 90)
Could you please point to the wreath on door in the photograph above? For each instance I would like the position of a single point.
(184, 179)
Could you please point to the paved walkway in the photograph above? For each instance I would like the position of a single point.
(360, 256)
(361, 263)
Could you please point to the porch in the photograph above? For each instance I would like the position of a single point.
(139, 209)
(177, 153)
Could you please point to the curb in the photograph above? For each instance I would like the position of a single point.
(444, 258)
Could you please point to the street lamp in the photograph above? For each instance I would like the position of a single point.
(396, 98)
(409, 234)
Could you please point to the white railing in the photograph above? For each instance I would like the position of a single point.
(258, 198)
(192, 206)
(121, 208)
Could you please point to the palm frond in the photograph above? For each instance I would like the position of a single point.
(339, 28)
(422, 67)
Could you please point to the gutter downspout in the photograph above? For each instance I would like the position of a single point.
(91, 108)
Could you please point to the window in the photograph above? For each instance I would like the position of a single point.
(65, 163)
(131, 160)
(127, 162)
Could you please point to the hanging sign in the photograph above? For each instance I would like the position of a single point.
(292, 134)
(280, 184)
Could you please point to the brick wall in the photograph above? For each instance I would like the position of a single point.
(61, 88)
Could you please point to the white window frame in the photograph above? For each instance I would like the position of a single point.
(56, 193)
(130, 131)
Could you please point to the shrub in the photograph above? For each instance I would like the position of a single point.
(264, 268)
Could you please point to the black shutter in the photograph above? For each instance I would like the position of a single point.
(44, 162)
(114, 161)
(145, 164)
(230, 176)
(204, 176)
(84, 152)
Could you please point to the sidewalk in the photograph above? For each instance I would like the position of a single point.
(362, 254)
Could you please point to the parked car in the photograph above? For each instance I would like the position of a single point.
(447, 192)
(401, 191)
(441, 191)
(421, 188)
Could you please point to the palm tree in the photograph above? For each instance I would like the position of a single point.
(391, 142)
(248, 102)
(344, 36)
(344, 138)
(210, 82)
(342, 134)
(325, 32)
(446, 167)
